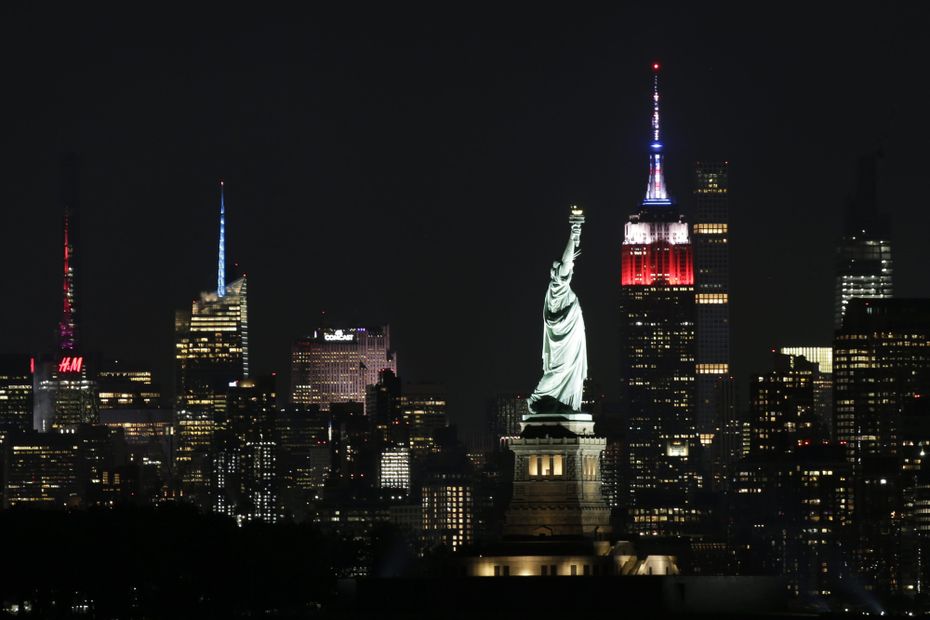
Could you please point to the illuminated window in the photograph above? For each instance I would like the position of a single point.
(710, 229)
(712, 369)
(557, 465)
(534, 465)
(711, 298)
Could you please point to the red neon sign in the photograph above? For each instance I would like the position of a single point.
(70, 364)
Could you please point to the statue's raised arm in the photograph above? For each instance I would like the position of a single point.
(564, 351)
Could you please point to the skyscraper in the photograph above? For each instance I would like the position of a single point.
(123, 386)
(782, 406)
(304, 457)
(65, 393)
(712, 290)
(245, 453)
(15, 393)
(211, 352)
(863, 257)
(424, 407)
(658, 355)
(504, 414)
(336, 365)
(823, 381)
(881, 364)
(881, 372)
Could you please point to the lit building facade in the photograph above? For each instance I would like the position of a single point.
(658, 355)
(383, 408)
(304, 457)
(394, 470)
(730, 442)
(881, 372)
(65, 396)
(211, 352)
(710, 236)
(125, 387)
(823, 381)
(244, 477)
(15, 393)
(424, 407)
(149, 435)
(41, 469)
(881, 360)
(793, 517)
(863, 257)
(448, 509)
(336, 365)
(782, 412)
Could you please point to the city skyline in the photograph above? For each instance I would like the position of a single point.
(273, 313)
(329, 189)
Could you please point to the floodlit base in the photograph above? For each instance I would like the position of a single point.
(557, 479)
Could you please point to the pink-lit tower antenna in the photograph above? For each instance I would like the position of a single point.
(656, 193)
(67, 328)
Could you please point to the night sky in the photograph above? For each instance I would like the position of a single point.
(415, 166)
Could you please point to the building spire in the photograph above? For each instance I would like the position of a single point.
(67, 327)
(221, 264)
(656, 194)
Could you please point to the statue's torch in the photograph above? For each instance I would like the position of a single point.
(576, 217)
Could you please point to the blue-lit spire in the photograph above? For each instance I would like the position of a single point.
(221, 265)
(656, 194)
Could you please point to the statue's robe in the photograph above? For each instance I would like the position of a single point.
(564, 352)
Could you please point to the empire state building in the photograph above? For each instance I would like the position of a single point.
(657, 316)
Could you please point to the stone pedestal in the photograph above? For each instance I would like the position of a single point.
(557, 479)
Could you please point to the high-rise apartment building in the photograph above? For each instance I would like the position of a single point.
(658, 356)
(863, 257)
(710, 236)
(336, 365)
(211, 352)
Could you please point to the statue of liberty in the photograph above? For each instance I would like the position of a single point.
(564, 352)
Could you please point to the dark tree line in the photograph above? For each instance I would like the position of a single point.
(169, 561)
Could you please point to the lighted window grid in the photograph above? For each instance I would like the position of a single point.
(711, 229)
(712, 298)
(712, 369)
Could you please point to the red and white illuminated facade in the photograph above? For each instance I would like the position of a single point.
(656, 253)
(658, 356)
